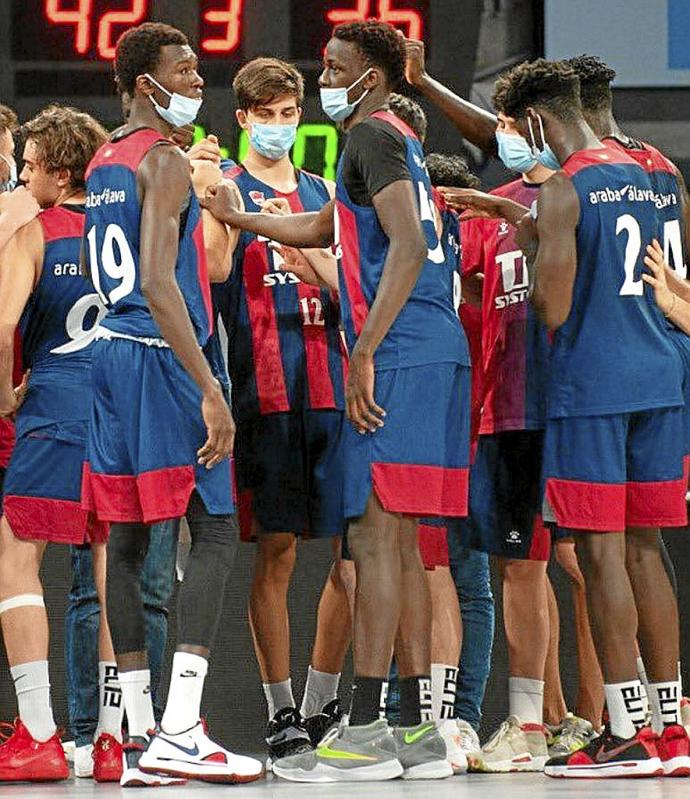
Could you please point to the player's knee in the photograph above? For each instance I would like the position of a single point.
(527, 572)
(276, 555)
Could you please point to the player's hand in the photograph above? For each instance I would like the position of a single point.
(184, 136)
(11, 403)
(415, 66)
(21, 390)
(205, 173)
(219, 426)
(295, 261)
(223, 200)
(276, 205)
(478, 203)
(207, 149)
(654, 260)
(361, 408)
(19, 205)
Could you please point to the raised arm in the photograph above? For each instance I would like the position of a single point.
(16, 209)
(474, 124)
(164, 183)
(296, 230)
(19, 263)
(555, 263)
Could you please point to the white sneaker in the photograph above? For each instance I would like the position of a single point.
(83, 761)
(469, 740)
(193, 755)
(448, 729)
(513, 747)
(133, 776)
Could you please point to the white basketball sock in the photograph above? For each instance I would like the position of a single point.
(136, 693)
(526, 699)
(626, 707)
(278, 695)
(32, 686)
(321, 688)
(111, 707)
(183, 708)
(444, 680)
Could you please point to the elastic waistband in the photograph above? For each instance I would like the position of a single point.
(103, 333)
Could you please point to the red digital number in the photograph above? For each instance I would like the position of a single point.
(407, 18)
(231, 17)
(81, 17)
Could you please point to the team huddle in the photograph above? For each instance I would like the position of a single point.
(422, 372)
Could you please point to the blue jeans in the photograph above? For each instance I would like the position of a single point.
(470, 570)
(82, 620)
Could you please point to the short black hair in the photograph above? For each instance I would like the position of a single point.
(595, 81)
(411, 113)
(380, 45)
(451, 170)
(138, 51)
(553, 85)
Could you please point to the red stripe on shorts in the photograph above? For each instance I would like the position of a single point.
(587, 506)
(421, 490)
(659, 504)
(59, 521)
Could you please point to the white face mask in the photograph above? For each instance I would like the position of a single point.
(181, 110)
(11, 183)
(335, 103)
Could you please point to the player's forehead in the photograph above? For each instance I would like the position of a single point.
(507, 124)
(30, 151)
(286, 102)
(345, 55)
(172, 56)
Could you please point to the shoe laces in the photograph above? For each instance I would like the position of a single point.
(506, 729)
(467, 736)
(330, 736)
(7, 730)
(575, 731)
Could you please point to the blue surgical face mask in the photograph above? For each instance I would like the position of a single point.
(515, 153)
(11, 183)
(272, 141)
(181, 110)
(546, 157)
(335, 103)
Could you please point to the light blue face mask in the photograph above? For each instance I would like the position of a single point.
(546, 157)
(515, 153)
(11, 183)
(181, 110)
(335, 103)
(272, 141)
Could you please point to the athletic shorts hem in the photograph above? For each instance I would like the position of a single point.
(58, 521)
(599, 507)
(247, 516)
(421, 490)
(433, 546)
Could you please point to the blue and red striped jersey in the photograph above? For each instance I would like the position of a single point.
(426, 330)
(613, 353)
(63, 311)
(285, 350)
(113, 222)
(515, 347)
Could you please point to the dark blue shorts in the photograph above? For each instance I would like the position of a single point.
(417, 463)
(289, 469)
(506, 497)
(606, 473)
(146, 427)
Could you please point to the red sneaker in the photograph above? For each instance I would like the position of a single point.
(107, 758)
(674, 751)
(22, 759)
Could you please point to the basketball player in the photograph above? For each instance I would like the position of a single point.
(613, 452)
(159, 439)
(286, 362)
(406, 451)
(43, 291)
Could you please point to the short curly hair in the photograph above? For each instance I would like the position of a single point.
(8, 119)
(450, 170)
(595, 81)
(553, 85)
(138, 51)
(65, 138)
(380, 45)
(411, 113)
(263, 80)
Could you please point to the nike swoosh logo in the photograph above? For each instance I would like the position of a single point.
(411, 737)
(603, 756)
(191, 751)
(338, 754)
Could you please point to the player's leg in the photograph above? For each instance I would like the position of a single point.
(446, 641)
(555, 708)
(589, 704)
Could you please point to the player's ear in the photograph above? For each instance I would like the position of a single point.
(241, 117)
(63, 177)
(299, 114)
(144, 85)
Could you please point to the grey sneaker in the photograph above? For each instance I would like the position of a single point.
(422, 752)
(574, 734)
(346, 754)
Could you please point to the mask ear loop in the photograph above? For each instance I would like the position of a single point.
(541, 131)
(534, 148)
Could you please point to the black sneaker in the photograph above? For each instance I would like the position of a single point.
(317, 726)
(610, 756)
(286, 736)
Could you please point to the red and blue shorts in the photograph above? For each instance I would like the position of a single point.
(606, 473)
(433, 543)
(289, 469)
(146, 428)
(506, 497)
(417, 463)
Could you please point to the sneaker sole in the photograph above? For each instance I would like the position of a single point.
(136, 778)
(388, 770)
(188, 773)
(631, 769)
(436, 770)
(525, 763)
(676, 766)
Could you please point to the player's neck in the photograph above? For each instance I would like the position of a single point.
(143, 115)
(571, 139)
(71, 196)
(537, 175)
(279, 175)
(604, 125)
(374, 101)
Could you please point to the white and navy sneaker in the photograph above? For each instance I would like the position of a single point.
(193, 755)
(132, 775)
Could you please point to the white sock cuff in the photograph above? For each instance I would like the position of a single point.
(37, 673)
(135, 677)
(527, 685)
(21, 601)
(186, 661)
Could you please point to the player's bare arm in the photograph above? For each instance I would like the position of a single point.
(20, 264)
(296, 230)
(164, 182)
(396, 209)
(555, 263)
(17, 208)
(474, 124)
(675, 308)
(675, 282)
(484, 204)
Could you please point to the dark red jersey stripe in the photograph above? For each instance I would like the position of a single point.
(349, 243)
